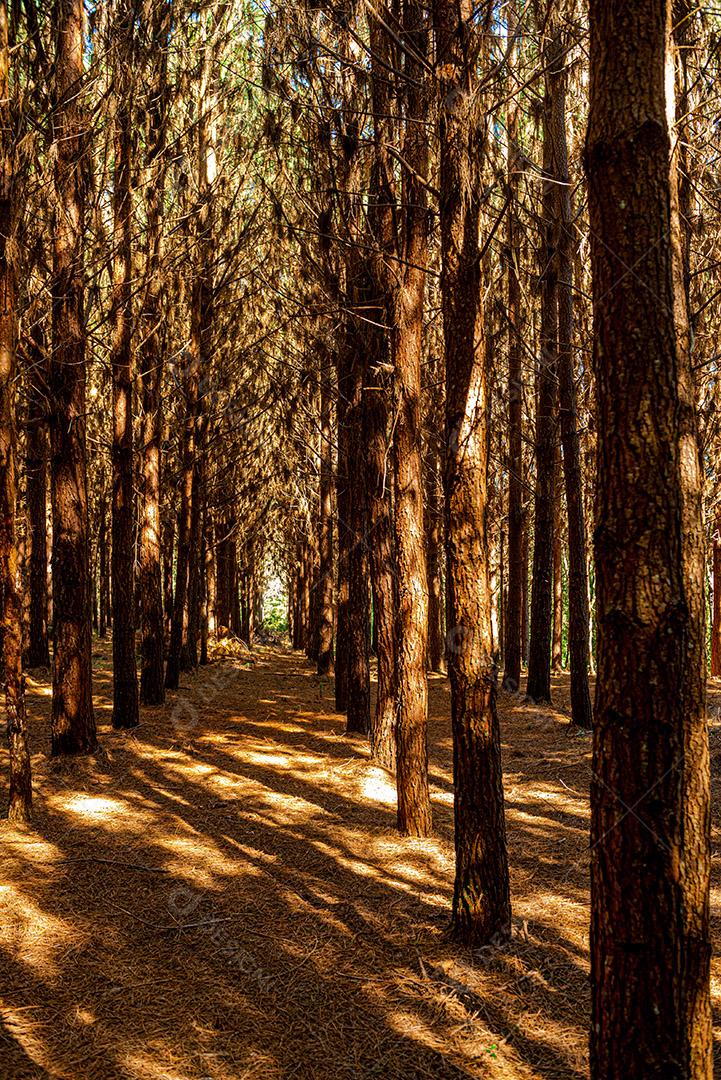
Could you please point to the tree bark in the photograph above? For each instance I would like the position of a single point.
(36, 466)
(325, 662)
(481, 901)
(180, 595)
(716, 616)
(578, 604)
(376, 437)
(152, 649)
(513, 648)
(20, 796)
(125, 679)
(411, 597)
(650, 943)
(357, 616)
(538, 686)
(434, 548)
(343, 532)
(557, 644)
(72, 718)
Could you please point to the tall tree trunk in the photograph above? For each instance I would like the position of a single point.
(343, 532)
(167, 547)
(125, 680)
(325, 661)
(538, 686)
(357, 618)
(716, 616)
(36, 465)
(557, 641)
(20, 798)
(481, 901)
(72, 718)
(189, 651)
(376, 438)
(152, 649)
(578, 613)
(103, 568)
(191, 380)
(434, 548)
(650, 943)
(414, 806)
(517, 566)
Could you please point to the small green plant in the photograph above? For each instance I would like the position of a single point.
(492, 1050)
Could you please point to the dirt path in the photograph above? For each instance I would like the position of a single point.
(222, 895)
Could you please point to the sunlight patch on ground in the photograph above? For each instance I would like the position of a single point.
(32, 934)
(147, 1068)
(95, 806)
(377, 787)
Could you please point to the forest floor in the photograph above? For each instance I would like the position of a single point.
(221, 894)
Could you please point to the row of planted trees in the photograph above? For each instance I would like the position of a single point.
(440, 203)
(338, 290)
(130, 412)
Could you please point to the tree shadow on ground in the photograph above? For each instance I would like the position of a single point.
(223, 894)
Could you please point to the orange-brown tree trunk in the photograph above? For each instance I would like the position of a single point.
(716, 614)
(578, 605)
(20, 797)
(481, 901)
(37, 652)
(325, 663)
(414, 806)
(650, 843)
(513, 646)
(538, 686)
(152, 648)
(72, 717)
(125, 680)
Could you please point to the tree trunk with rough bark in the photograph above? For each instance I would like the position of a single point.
(578, 605)
(325, 661)
(481, 900)
(650, 944)
(538, 687)
(125, 679)
(151, 358)
(36, 468)
(72, 717)
(20, 796)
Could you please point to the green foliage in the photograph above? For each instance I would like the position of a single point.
(275, 614)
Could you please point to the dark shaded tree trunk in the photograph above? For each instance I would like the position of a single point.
(189, 651)
(517, 566)
(434, 549)
(578, 613)
(481, 901)
(182, 562)
(36, 464)
(345, 543)
(72, 718)
(357, 618)
(125, 680)
(557, 642)
(103, 570)
(650, 943)
(325, 662)
(168, 547)
(716, 615)
(538, 686)
(150, 581)
(376, 437)
(20, 796)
